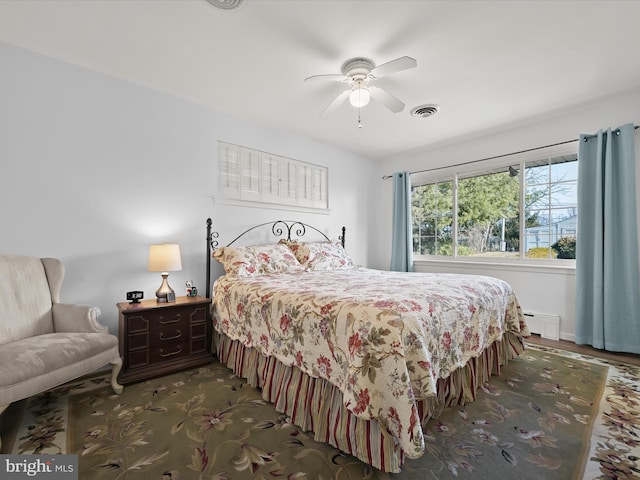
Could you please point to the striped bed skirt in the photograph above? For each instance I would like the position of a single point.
(316, 405)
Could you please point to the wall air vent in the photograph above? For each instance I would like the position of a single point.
(227, 4)
(424, 111)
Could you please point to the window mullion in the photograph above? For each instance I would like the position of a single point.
(549, 218)
(523, 213)
(454, 220)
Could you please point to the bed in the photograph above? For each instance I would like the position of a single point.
(362, 358)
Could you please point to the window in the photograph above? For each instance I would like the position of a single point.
(247, 175)
(551, 207)
(432, 212)
(488, 214)
(500, 212)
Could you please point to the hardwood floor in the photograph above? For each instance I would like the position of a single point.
(585, 349)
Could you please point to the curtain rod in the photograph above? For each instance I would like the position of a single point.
(503, 155)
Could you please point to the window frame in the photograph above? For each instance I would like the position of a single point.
(517, 160)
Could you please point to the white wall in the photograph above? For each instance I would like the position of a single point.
(540, 289)
(94, 169)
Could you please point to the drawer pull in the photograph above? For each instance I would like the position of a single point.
(166, 322)
(162, 337)
(170, 354)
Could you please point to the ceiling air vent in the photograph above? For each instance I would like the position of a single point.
(227, 4)
(424, 111)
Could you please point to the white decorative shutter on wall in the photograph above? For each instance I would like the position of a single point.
(270, 175)
(305, 184)
(249, 175)
(320, 187)
(288, 181)
(252, 176)
(229, 171)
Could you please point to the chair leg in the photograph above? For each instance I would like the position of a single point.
(115, 371)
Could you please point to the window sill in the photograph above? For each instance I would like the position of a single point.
(566, 267)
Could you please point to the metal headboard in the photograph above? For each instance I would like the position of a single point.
(278, 229)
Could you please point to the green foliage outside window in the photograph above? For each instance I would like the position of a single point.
(565, 247)
(485, 203)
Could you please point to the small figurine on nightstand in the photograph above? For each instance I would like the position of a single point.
(192, 291)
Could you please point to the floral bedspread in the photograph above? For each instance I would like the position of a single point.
(383, 338)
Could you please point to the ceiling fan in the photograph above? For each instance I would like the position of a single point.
(359, 74)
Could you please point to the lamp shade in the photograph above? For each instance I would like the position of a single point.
(165, 258)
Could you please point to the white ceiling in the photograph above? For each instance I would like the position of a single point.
(488, 64)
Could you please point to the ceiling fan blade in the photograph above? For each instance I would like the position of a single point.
(335, 103)
(338, 77)
(402, 63)
(389, 101)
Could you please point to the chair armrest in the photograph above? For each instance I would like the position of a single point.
(77, 318)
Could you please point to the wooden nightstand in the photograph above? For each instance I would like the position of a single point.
(160, 338)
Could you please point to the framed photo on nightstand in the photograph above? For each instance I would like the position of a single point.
(171, 297)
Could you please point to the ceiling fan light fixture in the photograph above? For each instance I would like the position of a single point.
(359, 97)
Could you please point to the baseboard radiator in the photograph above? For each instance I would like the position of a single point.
(543, 324)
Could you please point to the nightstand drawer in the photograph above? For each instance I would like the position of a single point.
(145, 357)
(169, 352)
(180, 317)
(165, 318)
(162, 337)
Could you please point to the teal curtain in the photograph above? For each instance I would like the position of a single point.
(607, 267)
(401, 242)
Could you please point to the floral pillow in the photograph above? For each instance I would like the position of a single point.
(257, 260)
(321, 255)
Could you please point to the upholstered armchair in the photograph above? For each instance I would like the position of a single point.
(44, 343)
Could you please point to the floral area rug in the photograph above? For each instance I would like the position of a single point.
(550, 415)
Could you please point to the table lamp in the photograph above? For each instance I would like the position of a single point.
(165, 258)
